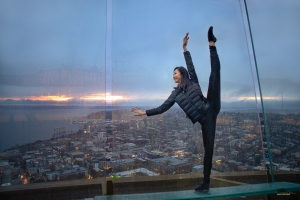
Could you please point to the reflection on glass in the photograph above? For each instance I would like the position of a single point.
(52, 120)
(278, 66)
(52, 78)
(146, 49)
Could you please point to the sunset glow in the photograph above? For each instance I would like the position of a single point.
(252, 98)
(50, 98)
(102, 97)
(61, 98)
(119, 98)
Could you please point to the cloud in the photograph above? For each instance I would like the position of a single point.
(279, 86)
(68, 76)
(58, 48)
(272, 88)
(35, 32)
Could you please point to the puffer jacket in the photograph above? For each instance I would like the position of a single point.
(192, 101)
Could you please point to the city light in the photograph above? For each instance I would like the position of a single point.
(238, 148)
(25, 181)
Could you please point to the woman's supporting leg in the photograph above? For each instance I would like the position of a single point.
(208, 134)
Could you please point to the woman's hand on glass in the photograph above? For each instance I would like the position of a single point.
(138, 111)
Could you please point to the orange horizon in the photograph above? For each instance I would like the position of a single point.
(64, 98)
(118, 98)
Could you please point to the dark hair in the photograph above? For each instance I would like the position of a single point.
(185, 78)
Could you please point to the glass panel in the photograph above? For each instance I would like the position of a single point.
(275, 31)
(52, 58)
(146, 47)
(72, 71)
(283, 188)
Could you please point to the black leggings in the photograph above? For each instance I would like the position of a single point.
(209, 124)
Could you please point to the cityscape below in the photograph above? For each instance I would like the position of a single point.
(127, 146)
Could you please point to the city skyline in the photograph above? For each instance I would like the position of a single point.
(128, 146)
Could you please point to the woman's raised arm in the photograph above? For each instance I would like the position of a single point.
(188, 60)
(185, 42)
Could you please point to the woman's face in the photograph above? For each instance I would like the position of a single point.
(177, 76)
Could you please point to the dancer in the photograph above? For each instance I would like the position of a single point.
(189, 97)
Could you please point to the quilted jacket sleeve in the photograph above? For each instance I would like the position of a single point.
(190, 66)
(164, 107)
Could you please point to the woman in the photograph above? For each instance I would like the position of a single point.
(189, 97)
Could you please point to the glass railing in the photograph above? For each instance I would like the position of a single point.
(147, 46)
(52, 78)
(69, 81)
(277, 62)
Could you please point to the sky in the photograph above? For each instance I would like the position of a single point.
(55, 50)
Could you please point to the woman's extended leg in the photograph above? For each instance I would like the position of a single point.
(214, 88)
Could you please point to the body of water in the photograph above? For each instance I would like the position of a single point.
(20, 125)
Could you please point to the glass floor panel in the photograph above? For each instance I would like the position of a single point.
(213, 193)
